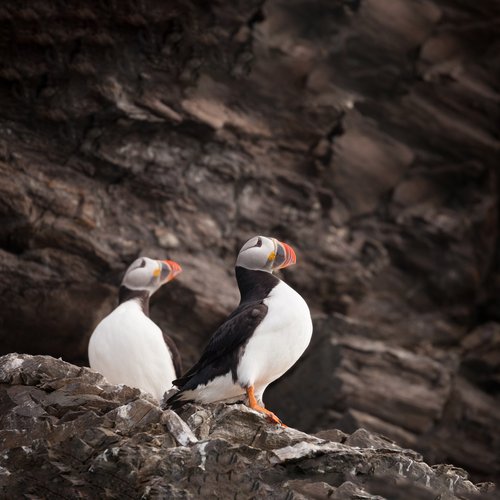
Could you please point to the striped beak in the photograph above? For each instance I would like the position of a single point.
(285, 256)
(169, 270)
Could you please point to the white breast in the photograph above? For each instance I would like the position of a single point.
(279, 341)
(128, 348)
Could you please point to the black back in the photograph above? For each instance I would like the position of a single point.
(225, 348)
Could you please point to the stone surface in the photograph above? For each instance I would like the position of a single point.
(66, 432)
(364, 133)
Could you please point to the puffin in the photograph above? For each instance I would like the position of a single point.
(259, 341)
(127, 347)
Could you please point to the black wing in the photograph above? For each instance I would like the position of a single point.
(176, 357)
(222, 352)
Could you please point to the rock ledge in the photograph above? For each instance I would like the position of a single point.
(65, 431)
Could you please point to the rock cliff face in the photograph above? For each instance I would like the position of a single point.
(364, 133)
(66, 432)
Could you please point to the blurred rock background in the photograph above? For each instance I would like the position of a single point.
(362, 132)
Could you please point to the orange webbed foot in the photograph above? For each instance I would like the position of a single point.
(252, 402)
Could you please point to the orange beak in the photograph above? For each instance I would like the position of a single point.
(174, 268)
(285, 256)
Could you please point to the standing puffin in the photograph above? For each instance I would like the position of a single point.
(126, 346)
(259, 341)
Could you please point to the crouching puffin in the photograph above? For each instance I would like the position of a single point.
(259, 341)
(126, 346)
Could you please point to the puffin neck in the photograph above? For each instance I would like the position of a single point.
(142, 296)
(254, 285)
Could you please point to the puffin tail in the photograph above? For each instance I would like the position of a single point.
(178, 400)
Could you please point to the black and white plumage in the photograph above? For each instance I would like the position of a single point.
(127, 347)
(260, 340)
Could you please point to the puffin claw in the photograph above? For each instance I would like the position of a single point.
(273, 418)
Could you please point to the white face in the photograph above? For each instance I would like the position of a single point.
(149, 274)
(262, 253)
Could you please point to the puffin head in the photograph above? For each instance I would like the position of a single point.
(145, 274)
(262, 253)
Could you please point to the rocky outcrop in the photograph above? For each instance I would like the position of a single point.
(364, 133)
(66, 432)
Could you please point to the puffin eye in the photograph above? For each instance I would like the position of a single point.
(143, 263)
(259, 243)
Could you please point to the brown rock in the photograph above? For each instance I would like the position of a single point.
(127, 447)
(364, 133)
(481, 358)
